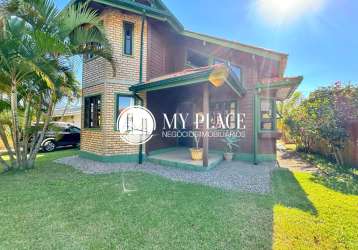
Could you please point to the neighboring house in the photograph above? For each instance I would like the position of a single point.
(69, 115)
(171, 70)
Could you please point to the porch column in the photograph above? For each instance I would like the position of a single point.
(205, 138)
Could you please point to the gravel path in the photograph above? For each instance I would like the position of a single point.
(235, 176)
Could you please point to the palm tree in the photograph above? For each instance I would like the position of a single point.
(36, 44)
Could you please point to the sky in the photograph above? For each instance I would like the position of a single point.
(320, 36)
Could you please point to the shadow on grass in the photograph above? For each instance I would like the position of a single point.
(43, 159)
(288, 192)
(341, 179)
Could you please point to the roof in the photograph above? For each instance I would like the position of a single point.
(236, 45)
(160, 11)
(283, 86)
(157, 10)
(216, 74)
(58, 112)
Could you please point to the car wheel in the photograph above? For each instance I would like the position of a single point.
(77, 145)
(49, 146)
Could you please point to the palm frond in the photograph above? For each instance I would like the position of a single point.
(46, 44)
(79, 15)
(4, 105)
(39, 14)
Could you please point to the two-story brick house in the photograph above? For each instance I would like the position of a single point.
(166, 68)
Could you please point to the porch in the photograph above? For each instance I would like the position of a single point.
(207, 91)
(180, 158)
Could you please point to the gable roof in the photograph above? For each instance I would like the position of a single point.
(159, 11)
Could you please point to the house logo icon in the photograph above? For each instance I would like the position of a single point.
(136, 125)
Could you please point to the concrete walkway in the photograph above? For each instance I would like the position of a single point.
(292, 161)
(235, 176)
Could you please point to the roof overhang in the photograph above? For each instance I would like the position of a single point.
(59, 112)
(162, 13)
(274, 55)
(280, 88)
(217, 75)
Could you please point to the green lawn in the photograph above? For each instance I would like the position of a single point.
(58, 207)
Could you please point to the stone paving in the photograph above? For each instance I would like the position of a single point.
(233, 176)
(292, 161)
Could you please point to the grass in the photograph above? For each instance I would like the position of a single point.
(54, 206)
(342, 179)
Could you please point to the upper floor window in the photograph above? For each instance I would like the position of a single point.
(196, 59)
(234, 68)
(128, 38)
(267, 114)
(92, 117)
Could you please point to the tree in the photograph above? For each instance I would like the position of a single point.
(36, 44)
(323, 117)
(335, 106)
(285, 110)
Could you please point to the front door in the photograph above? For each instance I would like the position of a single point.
(186, 108)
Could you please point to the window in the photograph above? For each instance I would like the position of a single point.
(128, 38)
(74, 130)
(234, 68)
(92, 118)
(220, 61)
(267, 114)
(223, 109)
(123, 102)
(196, 59)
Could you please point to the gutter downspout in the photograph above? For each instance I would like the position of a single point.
(140, 154)
(256, 112)
(141, 48)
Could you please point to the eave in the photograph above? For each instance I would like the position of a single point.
(274, 55)
(193, 78)
(162, 15)
(283, 88)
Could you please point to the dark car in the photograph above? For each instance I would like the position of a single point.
(61, 134)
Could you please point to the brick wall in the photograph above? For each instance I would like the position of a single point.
(113, 145)
(98, 78)
(92, 138)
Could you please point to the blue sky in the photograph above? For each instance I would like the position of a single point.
(321, 38)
